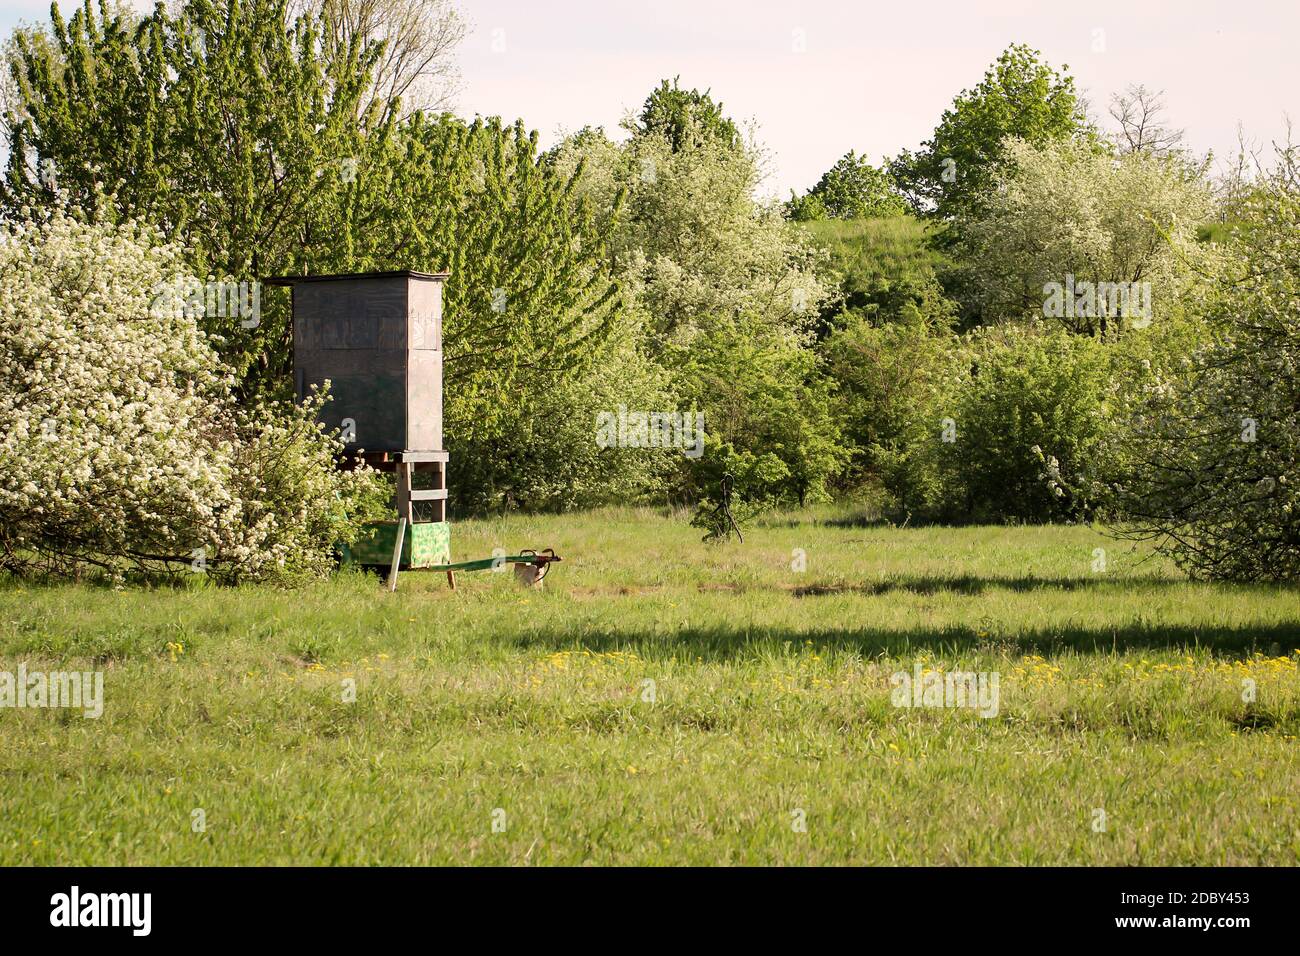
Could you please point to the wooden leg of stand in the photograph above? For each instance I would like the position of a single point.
(397, 554)
(451, 579)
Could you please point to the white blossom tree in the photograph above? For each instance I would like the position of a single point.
(1068, 214)
(120, 445)
(1209, 468)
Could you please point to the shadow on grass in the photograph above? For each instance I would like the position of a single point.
(728, 642)
(833, 521)
(973, 584)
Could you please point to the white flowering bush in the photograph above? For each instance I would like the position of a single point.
(294, 503)
(1065, 210)
(120, 445)
(1209, 467)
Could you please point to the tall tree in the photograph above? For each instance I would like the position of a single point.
(728, 292)
(1021, 97)
(1114, 238)
(243, 133)
(1139, 116)
(417, 68)
(1209, 466)
(225, 126)
(851, 189)
(685, 117)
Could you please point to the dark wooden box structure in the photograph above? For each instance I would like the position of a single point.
(377, 338)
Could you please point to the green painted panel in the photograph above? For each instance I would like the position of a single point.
(427, 544)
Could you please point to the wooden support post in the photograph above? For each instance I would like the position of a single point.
(451, 579)
(440, 482)
(404, 508)
(397, 554)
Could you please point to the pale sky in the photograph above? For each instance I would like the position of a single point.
(824, 76)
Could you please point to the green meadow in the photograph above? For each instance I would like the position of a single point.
(666, 701)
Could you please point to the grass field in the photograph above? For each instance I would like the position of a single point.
(868, 250)
(771, 736)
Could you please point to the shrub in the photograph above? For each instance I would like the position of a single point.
(806, 208)
(547, 456)
(972, 453)
(295, 504)
(769, 417)
(883, 374)
(1210, 465)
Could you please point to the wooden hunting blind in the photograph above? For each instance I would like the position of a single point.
(377, 339)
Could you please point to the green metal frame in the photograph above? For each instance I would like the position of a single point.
(426, 545)
(482, 564)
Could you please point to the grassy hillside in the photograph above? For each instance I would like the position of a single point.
(770, 707)
(869, 250)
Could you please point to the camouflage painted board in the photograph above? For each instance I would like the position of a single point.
(427, 544)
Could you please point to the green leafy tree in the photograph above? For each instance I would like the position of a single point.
(1020, 96)
(851, 189)
(686, 117)
(255, 140)
(769, 414)
(545, 453)
(531, 298)
(729, 293)
(230, 127)
(238, 131)
(883, 368)
(690, 241)
(806, 208)
(971, 441)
